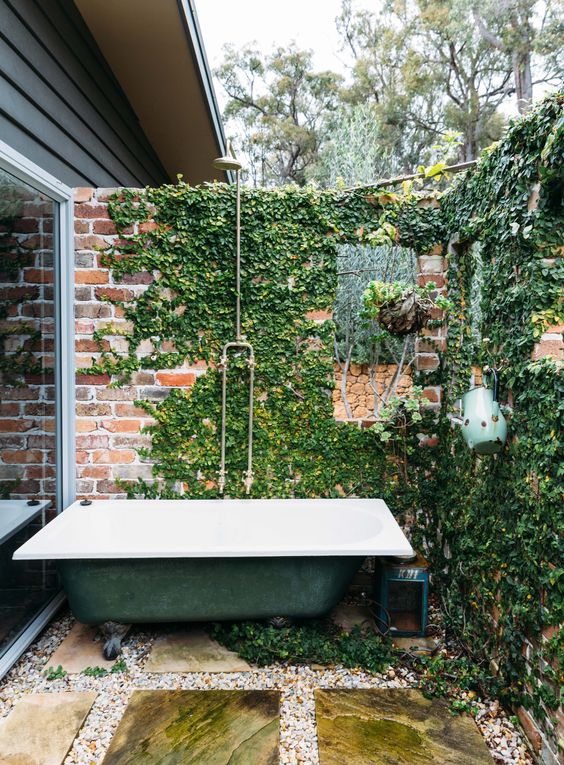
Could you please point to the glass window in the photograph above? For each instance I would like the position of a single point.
(28, 463)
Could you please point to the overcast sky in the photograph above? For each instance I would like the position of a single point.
(311, 23)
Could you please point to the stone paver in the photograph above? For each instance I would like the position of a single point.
(394, 727)
(192, 650)
(79, 650)
(198, 728)
(41, 727)
(418, 645)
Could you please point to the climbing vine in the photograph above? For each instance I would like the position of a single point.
(490, 527)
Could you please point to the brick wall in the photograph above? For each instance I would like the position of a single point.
(27, 409)
(107, 422)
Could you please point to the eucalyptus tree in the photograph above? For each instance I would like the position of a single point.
(278, 106)
(428, 69)
(530, 33)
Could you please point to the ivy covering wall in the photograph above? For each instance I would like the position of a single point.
(490, 526)
(494, 525)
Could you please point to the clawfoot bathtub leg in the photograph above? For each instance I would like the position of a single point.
(280, 621)
(114, 633)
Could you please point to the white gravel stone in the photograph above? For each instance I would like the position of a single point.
(298, 734)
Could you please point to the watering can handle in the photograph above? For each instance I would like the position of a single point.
(495, 396)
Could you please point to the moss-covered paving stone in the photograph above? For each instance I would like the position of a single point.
(198, 728)
(394, 727)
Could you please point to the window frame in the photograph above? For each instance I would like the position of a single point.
(63, 251)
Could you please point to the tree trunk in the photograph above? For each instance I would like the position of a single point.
(521, 61)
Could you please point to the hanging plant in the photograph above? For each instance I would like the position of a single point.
(401, 308)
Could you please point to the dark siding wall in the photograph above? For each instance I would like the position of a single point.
(60, 104)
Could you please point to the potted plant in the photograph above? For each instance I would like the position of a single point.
(401, 308)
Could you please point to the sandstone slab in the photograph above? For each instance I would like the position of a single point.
(394, 726)
(198, 728)
(192, 650)
(41, 727)
(81, 648)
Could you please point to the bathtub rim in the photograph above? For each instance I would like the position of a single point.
(47, 544)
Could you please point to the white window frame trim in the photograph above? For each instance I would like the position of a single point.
(63, 245)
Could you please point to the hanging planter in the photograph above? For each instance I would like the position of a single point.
(401, 309)
(409, 313)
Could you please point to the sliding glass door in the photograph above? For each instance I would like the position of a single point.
(31, 401)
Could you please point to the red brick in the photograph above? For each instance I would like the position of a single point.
(553, 347)
(92, 442)
(9, 410)
(104, 227)
(142, 277)
(18, 394)
(109, 487)
(40, 471)
(91, 210)
(103, 194)
(430, 346)
(82, 379)
(130, 410)
(21, 456)
(319, 315)
(113, 457)
(81, 227)
(122, 426)
(82, 327)
(549, 632)
(530, 728)
(38, 275)
(89, 242)
(16, 426)
(92, 311)
(94, 471)
(117, 394)
(176, 379)
(113, 293)
(93, 410)
(429, 441)
(85, 426)
(83, 194)
(91, 346)
(431, 395)
(26, 226)
(90, 276)
(427, 362)
(147, 226)
(82, 457)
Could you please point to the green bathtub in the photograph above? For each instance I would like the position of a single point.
(127, 561)
(204, 589)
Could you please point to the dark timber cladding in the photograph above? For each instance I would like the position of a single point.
(60, 104)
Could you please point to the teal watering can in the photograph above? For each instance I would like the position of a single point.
(483, 426)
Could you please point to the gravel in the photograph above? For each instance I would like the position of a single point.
(298, 735)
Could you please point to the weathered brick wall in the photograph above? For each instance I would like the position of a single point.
(27, 409)
(108, 423)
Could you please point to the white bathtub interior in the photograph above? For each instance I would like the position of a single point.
(219, 528)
